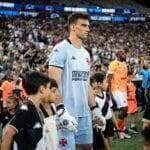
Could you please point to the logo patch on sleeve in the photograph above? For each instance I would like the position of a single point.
(88, 61)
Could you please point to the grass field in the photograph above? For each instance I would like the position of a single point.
(136, 141)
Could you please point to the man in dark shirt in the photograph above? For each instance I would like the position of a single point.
(28, 121)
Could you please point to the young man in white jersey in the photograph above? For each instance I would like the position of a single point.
(69, 64)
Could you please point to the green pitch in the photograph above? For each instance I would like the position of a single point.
(136, 141)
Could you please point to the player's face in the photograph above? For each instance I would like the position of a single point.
(104, 85)
(123, 56)
(55, 94)
(46, 93)
(11, 104)
(95, 88)
(51, 94)
(81, 28)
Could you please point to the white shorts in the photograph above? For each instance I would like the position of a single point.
(120, 98)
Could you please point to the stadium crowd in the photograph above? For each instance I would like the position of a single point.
(25, 43)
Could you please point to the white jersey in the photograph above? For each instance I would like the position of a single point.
(75, 64)
(101, 102)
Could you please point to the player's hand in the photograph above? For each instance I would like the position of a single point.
(97, 119)
(64, 120)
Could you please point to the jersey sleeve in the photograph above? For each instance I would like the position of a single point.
(57, 57)
(111, 68)
(21, 118)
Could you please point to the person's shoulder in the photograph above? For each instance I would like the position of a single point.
(144, 72)
(4, 114)
(113, 63)
(86, 52)
(120, 64)
(61, 45)
(25, 107)
(5, 83)
(141, 71)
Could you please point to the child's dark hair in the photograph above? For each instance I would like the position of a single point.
(53, 84)
(98, 77)
(15, 99)
(33, 80)
(75, 16)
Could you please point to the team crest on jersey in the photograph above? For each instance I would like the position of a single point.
(63, 142)
(88, 61)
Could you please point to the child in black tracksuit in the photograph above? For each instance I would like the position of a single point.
(103, 137)
(7, 115)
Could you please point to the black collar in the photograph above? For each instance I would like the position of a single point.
(69, 41)
(102, 97)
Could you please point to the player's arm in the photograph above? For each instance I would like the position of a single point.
(91, 97)
(55, 72)
(109, 78)
(8, 138)
(62, 113)
(110, 73)
(56, 63)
